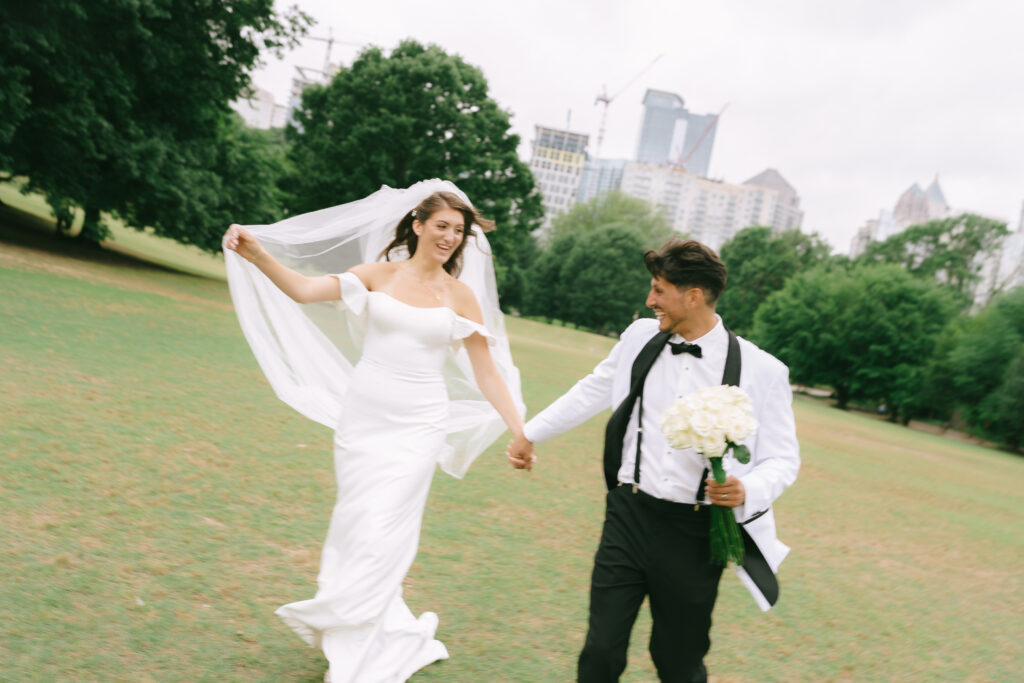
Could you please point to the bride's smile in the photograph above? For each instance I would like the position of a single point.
(441, 234)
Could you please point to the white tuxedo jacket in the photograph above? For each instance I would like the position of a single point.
(775, 453)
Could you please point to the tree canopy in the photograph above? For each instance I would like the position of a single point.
(760, 262)
(397, 119)
(972, 371)
(951, 250)
(123, 106)
(594, 280)
(866, 332)
(613, 209)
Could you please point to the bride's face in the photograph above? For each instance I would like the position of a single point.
(440, 235)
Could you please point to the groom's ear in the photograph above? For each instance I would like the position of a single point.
(694, 297)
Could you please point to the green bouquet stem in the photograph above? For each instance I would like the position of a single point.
(726, 541)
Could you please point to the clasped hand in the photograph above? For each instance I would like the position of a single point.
(520, 453)
(728, 494)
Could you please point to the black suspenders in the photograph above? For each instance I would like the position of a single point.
(731, 376)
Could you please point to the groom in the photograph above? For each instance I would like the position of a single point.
(655, 536)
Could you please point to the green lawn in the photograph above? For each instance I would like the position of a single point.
(139, 244)
(159, 503)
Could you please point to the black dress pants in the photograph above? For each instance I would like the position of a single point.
(658, 548)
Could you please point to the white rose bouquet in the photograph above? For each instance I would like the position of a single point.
(712, 421)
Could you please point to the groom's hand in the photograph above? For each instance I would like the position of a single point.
(731, 494)
(520, 453)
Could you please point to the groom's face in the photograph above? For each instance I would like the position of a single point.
(671, 305)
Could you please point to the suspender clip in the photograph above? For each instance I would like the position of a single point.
(635, 488)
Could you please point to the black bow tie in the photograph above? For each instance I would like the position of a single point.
(684, 347)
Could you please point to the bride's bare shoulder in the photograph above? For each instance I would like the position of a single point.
(466, 304)
(374, 275)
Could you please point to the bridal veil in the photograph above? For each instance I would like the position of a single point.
(308, 351)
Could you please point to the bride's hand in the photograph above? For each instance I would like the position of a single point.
(240, 240)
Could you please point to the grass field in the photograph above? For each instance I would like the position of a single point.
(159, 503)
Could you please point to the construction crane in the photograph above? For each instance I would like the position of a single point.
(707, 131)
(604, 99)
(330, 40)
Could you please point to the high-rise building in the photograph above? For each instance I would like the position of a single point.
(912, 207)
(556, 161)
(672, 135)
(259, 110)
(712, 211)
(787, 214)
(875, 229)
(920, 206)
(600, 176)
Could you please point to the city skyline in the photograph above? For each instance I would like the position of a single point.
(850, 103)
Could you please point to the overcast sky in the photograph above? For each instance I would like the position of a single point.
(852, 102)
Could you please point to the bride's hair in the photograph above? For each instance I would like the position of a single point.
(405, 237)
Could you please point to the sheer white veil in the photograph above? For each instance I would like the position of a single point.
(308, 351)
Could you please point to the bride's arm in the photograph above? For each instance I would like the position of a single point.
(299, 287)
(491, 383)
(485, 371)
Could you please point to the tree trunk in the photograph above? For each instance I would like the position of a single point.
(93, 230)
(842, 396)
(64, 221)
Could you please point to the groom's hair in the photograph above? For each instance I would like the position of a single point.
(686, 264)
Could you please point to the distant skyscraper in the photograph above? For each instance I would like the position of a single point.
(920, 206)
(664, 113)
(557, 164)
(913, 206)
(672, 135)
(260, 110)
(711, 211)
(600, 176)
(786, 214)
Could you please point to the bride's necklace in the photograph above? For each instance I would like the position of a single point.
(422, 283)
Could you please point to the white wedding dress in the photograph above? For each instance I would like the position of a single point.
(386, 445)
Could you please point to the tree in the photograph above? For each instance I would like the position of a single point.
(969, 368)
(951, 250)
(613, 208)
(590, 280)
(866, 332)
(414, 114)
(1010, 404)
(117, 106)
(546, 291)
(759, 263)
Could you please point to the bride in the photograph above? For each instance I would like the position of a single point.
(417, 373)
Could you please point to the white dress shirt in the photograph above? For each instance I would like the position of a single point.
(665, 472)
(675, 474)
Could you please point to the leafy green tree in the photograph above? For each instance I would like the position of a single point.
(117, 106)
(866, 332)
(546, 289)
(951, 249)
(414, 114)
(969, 367)
(1010, 404)
(593, 280)
(759, 263)
(613, 209)
(233, 178)
(604, 286)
